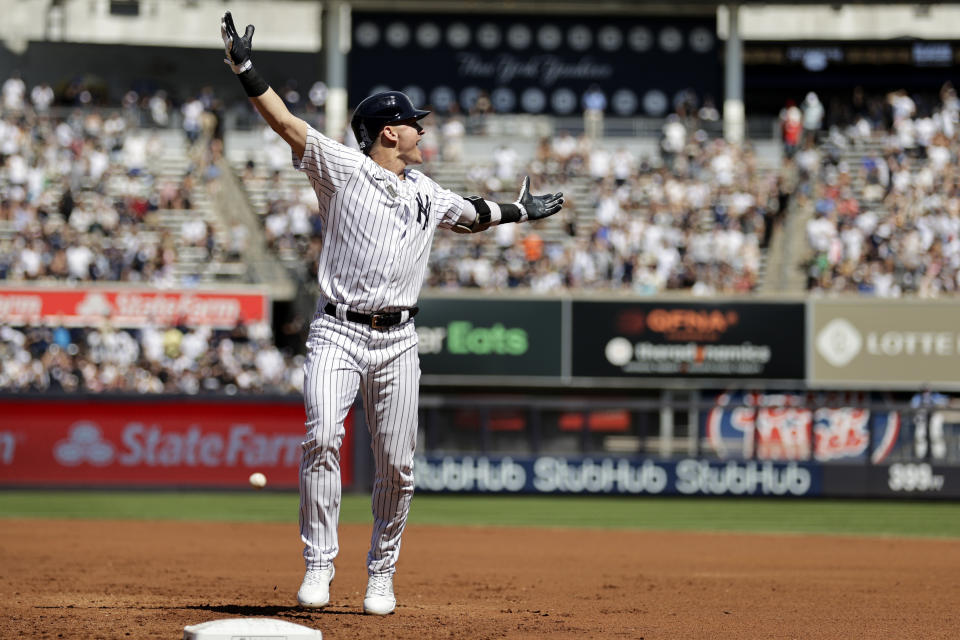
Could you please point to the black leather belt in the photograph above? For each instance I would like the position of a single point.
(379, 321)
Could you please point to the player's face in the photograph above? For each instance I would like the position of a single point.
(409, 133)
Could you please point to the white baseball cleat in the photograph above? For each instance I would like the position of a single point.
(315, 590)
(379, 600)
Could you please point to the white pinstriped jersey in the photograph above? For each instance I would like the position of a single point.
(376, 228)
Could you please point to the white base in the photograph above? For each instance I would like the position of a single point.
(250, 629)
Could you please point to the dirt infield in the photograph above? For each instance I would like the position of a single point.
(95, 579)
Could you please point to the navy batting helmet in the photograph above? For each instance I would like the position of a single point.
(379, 110)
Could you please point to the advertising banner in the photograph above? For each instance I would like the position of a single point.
(688, 340)
(893, 344)
(604, 475)
(910, 480)
(173, 443)
(489, 337)
(797, 426)
(607, 475)
(128, 308)
(534, 63)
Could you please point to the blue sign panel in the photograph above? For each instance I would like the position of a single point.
(607, 475)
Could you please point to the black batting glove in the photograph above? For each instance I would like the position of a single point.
(237, 49)
(537, 207)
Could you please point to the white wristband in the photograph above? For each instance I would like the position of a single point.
(239, 68)
(523, 212)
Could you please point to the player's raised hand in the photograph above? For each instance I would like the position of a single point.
(237, 49)
(537, 207)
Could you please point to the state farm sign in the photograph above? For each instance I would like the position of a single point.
(153, 446)
(157, 443)
(125, 307)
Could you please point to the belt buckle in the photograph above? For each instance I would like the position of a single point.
(379, 321)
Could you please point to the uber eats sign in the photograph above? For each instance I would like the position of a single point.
(489, 338)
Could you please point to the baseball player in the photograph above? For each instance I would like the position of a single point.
(378, 219)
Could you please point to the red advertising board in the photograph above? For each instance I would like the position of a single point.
(127, 307)
(167, 443)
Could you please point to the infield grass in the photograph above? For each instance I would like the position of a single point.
(849, 517)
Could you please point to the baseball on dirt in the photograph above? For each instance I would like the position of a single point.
(258, 480)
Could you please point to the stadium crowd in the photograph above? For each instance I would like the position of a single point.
(694, 217)
(150, 360)
(883, 194)
(78, 196)
(82, 195)
(81, 199)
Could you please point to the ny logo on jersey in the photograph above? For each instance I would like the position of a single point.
(423, 208)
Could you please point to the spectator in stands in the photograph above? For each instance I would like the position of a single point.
(14, 90)
(708, 111)
(192, 111)
(674, 139)
(791, 128)
(902, 106)
(159, 105)
(505, 161)
(318, 94)
(41, 97)
(813, 114)
(594, 103)
(563, 148)
(453, 130)
(622, 166)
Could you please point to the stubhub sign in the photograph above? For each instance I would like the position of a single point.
(605, 475)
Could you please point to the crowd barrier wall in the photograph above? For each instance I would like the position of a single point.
(95, 442)
(757, 407)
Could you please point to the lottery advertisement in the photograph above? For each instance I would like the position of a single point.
(884, 344)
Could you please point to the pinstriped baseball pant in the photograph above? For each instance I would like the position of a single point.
(343, 357)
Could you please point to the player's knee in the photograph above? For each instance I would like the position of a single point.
(324, 433)
(320, 454)
(395, 473)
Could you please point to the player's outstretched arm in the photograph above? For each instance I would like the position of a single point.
(264, 99)
(526, 207)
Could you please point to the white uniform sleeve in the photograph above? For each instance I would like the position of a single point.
(450, 207)
(327, 163)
